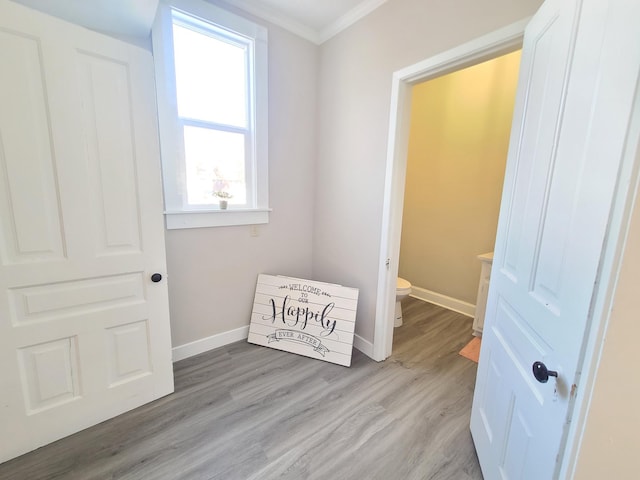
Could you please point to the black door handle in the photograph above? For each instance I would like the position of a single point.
(542, 373)
(156, 277)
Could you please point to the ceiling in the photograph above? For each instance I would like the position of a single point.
(315, 20)
(130, 18)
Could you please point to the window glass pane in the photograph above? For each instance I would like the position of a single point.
(214, 163)
(211, 79)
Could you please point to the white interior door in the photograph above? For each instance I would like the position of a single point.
(573, 105)
(84, 332)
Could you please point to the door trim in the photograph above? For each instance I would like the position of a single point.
(487, 47)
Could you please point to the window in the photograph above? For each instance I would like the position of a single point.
(211, 76)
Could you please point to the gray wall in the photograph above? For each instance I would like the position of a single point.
(213, 271)
(353, 101)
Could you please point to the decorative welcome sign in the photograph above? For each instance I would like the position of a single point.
(313, 319)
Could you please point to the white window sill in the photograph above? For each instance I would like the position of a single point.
(215, 218)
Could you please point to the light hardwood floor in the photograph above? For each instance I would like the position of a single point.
(248, 412)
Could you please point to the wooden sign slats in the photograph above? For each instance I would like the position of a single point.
(317, 330)
(263, 303)
(313, 319)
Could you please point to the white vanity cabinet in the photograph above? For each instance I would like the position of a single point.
(483, 289)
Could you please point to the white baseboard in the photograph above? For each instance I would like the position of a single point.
(225, 338)
(363, 345)
(209, 343)
(449, 303)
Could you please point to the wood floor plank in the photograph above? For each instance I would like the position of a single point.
(248, 412)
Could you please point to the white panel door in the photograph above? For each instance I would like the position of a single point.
(84, 332)
(574, 100)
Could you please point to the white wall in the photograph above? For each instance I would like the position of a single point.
(353, 104)
(212, 271)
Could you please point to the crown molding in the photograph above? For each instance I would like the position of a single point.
(352, 16)
(278, 18)
(318, 37)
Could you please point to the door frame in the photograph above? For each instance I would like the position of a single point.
(494, 44)
(487, 47)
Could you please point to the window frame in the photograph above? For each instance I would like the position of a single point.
(178, 213)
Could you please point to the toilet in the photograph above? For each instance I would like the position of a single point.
(403, 288)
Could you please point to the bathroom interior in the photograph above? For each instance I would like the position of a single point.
(458, 144)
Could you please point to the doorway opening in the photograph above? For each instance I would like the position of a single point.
(490, 46)
(458, 143)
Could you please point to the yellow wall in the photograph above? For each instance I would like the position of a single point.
(458, 144)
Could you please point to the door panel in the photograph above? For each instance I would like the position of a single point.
(29, 205)
(128, 353)
(84, 333)
(561, 177)
(68, 299)
(106, 104)
(49, 373)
